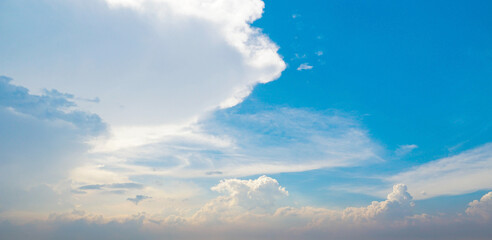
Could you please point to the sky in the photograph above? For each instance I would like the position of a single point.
(245, 119)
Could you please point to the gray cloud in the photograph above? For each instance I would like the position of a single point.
(125, 185)
(128, 185)
(137, 199)
(92, 187)
(42, 137)
(52, 105)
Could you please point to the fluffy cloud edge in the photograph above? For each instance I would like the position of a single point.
(380, 220)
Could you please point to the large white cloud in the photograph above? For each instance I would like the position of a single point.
(137, 62)
(240, 196)
(251, 194)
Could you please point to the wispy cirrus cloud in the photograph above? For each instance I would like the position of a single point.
(465, 172)
(405, 149)
(233, 144)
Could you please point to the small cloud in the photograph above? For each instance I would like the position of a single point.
(214, 173)
(304, 66)
(294, 16)
(137, 199)
(482, 207)
(119, 192)
(91, 100)
(299, 56)
(76, 191)
(405, 149)
(92, 187)
(129, 185)
(319, 53)
(78, 212)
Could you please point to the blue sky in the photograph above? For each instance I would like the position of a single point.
(245, 119)
(415, 73)
(412, 73)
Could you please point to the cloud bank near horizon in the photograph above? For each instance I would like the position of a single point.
(230, 214)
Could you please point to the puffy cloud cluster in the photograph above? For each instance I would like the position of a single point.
(242, 196)
(246, 200)
(397, 206)
(251, 194)
(285, 223)
(482, 207)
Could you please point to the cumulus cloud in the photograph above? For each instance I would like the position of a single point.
(397, 206)
(462, 173)
(240, 196)
(482, 207)
(149, 62)
(251, 194)
(285, 223)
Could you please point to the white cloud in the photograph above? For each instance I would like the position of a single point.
(405, 149)
(241, 196)
(319, 53)
(304, 66)
(482, 207)
(232, 144)
(231, 216)
(148, 61)
(137, 199)
(251, 194)
(466, 172)
(397, 205)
